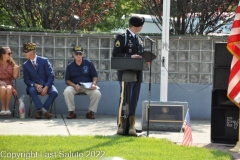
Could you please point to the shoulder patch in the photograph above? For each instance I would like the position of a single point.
(117, 44)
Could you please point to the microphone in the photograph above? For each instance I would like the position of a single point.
(150, 39)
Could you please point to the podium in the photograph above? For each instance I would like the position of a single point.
(121, 63)
(130, 68)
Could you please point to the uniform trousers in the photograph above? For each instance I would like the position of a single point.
(134, 95)
(94, 95)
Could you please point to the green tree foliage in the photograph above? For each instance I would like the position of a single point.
(120, 15)
(194, 17)
(5, 20)
(56, 14)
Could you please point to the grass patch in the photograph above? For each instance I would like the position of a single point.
(101, 147)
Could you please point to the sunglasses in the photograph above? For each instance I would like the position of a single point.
(10, 53)
(78, 53)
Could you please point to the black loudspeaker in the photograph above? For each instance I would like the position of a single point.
(224, 118)
(220, 77)
(222, 57)
(224, 113)
(222, 64)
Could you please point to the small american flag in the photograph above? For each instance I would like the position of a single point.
(187, 136)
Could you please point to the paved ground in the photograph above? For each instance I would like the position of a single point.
(103, 125)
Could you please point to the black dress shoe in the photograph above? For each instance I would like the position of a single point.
(138, 130)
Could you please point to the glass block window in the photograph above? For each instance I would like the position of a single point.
(191, 59)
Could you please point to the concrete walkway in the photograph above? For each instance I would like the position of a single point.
(103, 125)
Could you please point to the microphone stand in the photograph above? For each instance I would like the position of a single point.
(149, 91)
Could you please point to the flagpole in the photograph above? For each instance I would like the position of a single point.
(165, 51)
(237, 147)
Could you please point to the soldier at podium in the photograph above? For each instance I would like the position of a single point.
(129, 45)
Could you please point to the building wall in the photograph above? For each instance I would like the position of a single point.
(190, 67)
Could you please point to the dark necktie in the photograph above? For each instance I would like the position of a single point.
(34, 64)
(136, 38)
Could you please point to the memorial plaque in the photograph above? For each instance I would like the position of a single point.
(165, 113)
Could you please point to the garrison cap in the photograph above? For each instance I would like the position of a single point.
(78, 49)
(29, 47)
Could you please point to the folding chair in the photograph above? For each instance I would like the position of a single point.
(15, 106)
(31, 108)
(16, 102)
(80, 94)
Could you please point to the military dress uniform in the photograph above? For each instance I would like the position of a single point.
(126, 47)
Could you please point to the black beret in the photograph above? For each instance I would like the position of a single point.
(136, 21)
